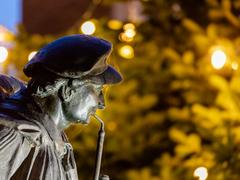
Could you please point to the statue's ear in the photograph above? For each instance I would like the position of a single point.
(65, 93)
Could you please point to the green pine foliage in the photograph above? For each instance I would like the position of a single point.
(174, 112)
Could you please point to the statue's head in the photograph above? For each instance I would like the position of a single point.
(74, 69)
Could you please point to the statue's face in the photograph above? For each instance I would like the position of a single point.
(85, 100)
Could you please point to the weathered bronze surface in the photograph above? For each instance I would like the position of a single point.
(67, 77)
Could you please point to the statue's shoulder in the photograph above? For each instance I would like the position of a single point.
(29, 130)
(10, 85)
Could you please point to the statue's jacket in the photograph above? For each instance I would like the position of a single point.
(31, 146)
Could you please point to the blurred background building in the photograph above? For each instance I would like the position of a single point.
(56, 16)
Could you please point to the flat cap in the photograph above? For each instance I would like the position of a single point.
(74, 56)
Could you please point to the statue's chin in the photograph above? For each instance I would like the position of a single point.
(85, 121)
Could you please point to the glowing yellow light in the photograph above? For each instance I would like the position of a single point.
(2, 36)
(129, 26)
(88, 27)
(201, 173)
(234, 65)
(130, 33)
(218, 59)
(123, 37)
(126, 52)
(31, 55)
(115, 24)
(6, 36)
(3, 54)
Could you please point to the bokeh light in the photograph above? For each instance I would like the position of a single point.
(115, 24)
(88, 28)
(126, 52)
(201, 173)
(218, 59)
(124, 38)
(130, 33)
(31, 55)
(129, 26)
(3, 54)
(234, 65)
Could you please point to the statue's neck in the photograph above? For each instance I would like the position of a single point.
(52, 106)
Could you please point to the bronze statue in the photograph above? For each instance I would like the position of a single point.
(67, 77)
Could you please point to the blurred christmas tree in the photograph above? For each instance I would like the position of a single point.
(177, 113)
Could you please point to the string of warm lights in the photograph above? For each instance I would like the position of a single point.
(218, 56)
(129, 31)
(127, 36)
